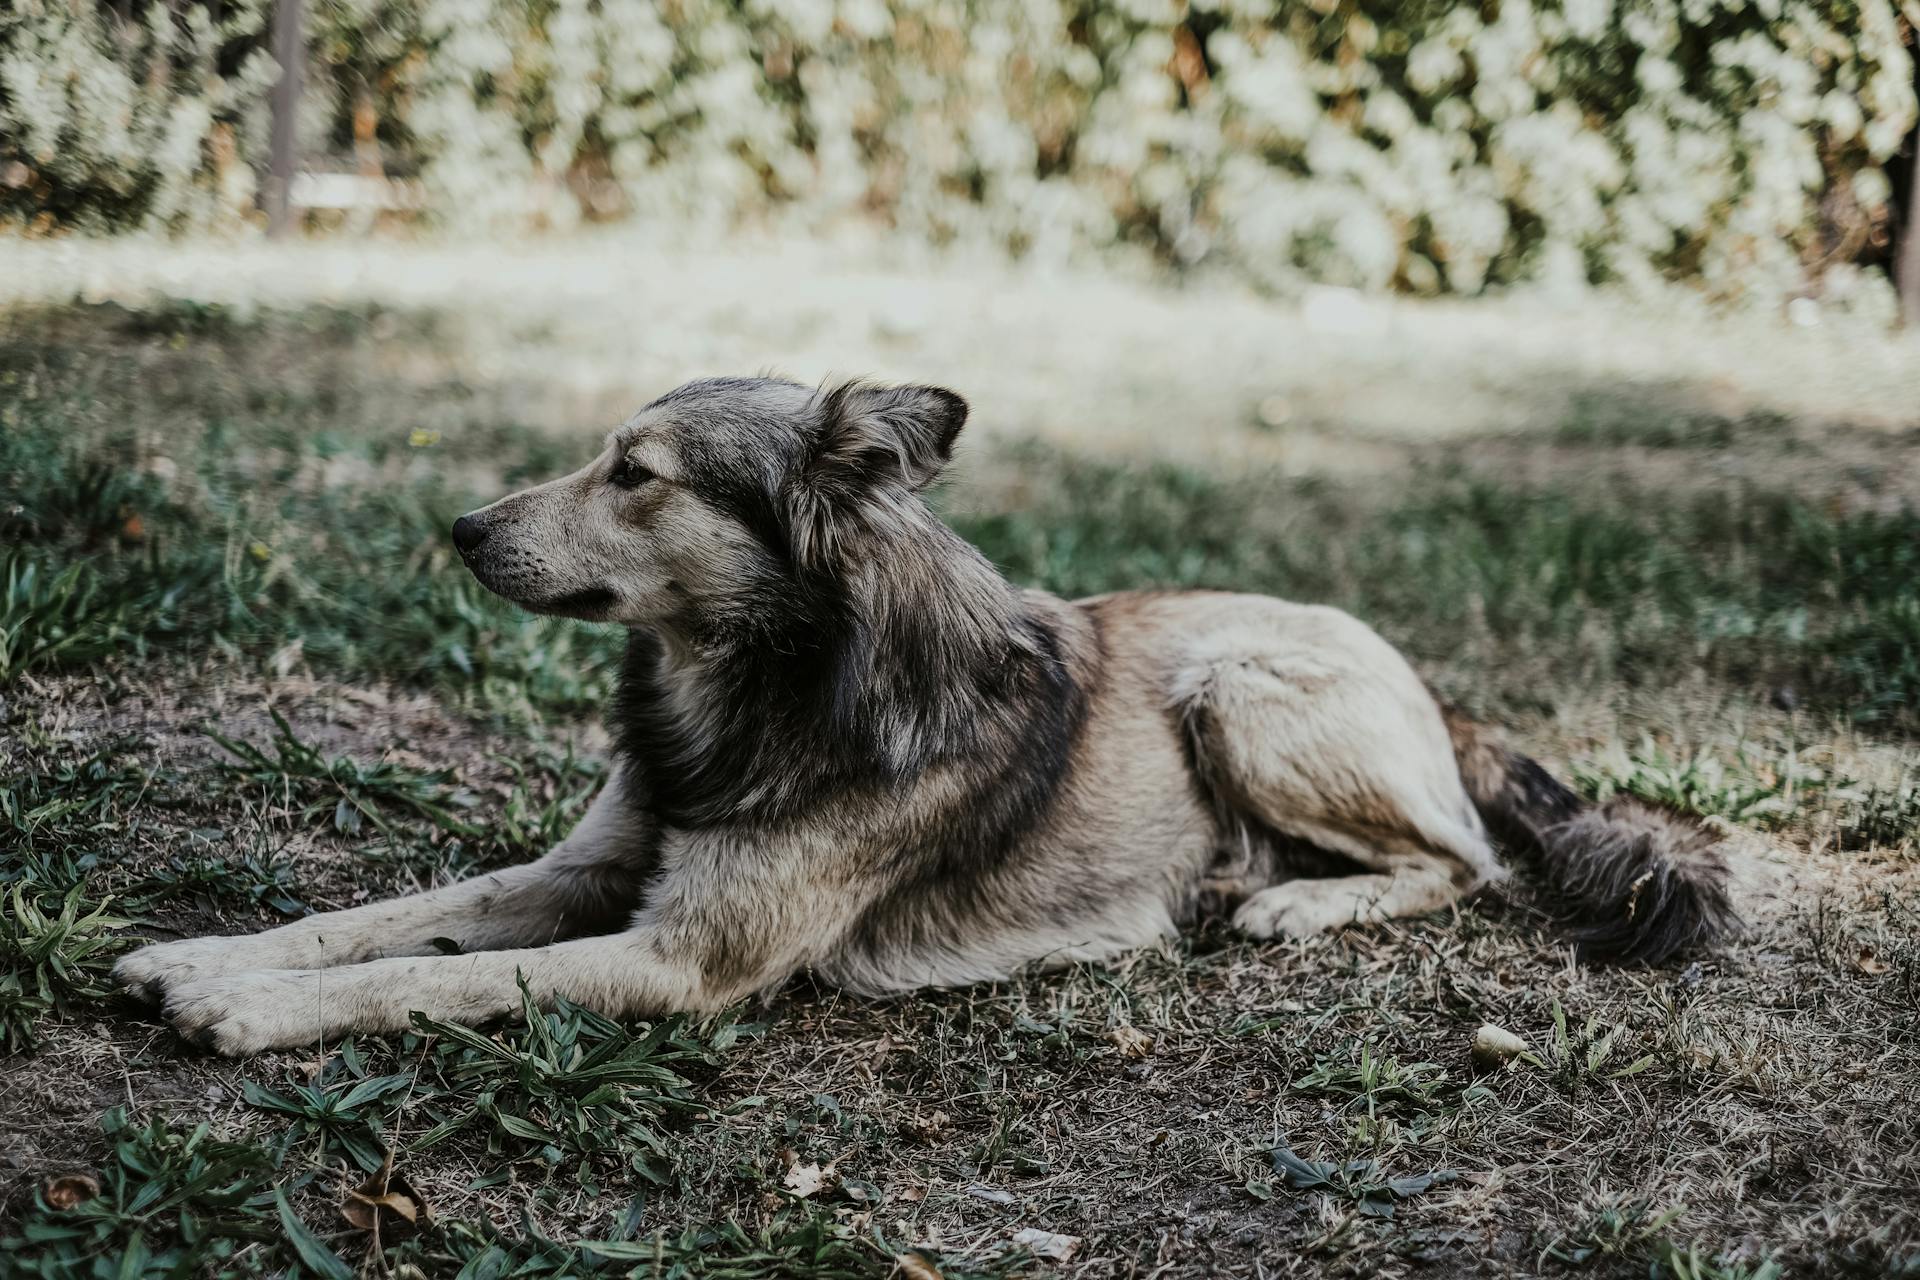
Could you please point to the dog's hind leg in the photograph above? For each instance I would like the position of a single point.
(1323, 733)
(589, 883)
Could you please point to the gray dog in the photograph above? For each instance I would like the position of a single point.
(846, 743)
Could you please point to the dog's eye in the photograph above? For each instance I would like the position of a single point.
(629, 474)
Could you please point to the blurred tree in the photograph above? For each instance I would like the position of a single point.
(290, 53)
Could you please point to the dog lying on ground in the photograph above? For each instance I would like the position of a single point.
(844, 742)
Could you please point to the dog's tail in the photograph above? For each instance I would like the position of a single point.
(1640, 883)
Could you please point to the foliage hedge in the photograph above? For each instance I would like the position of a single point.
(1407, 144)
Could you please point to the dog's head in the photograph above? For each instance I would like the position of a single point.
(715, 496)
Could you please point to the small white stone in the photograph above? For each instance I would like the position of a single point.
(1495, 1047)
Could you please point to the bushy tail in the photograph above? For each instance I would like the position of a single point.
(1641, 883)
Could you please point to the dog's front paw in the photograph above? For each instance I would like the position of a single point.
(243, 1013)
(153, 971)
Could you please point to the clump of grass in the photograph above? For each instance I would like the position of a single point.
(1364, 1184)
(1692, 1262)
(1577, 1058)
(566, 1084)
(1880, 816)
(1615, 1227)
(796, 1242)
(55, 950)
(166, 1202)
(1756, 792)
(1628, 1230)
(1770, 791)
(350, 794)
(243, 876)
(67, 615)
(346, 1110)
(1610, 420)
(1376, 1082)
(59, 802)
(543, 802)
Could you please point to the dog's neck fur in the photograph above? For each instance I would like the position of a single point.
(866, 675)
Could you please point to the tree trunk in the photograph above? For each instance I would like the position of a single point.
(289, 50)
(1907, 266)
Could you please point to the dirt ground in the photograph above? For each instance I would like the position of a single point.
(1208, 1107)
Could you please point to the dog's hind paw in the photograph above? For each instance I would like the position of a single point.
(242, 1013)
(1302, 909)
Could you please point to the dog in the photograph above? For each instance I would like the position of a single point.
(845, 743)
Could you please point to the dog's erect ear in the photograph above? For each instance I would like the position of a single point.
(872, 436)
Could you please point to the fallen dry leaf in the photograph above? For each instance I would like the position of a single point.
(928, 1125)
(1046, 1244)
(1132, 1042)
(70, 1189)
(914, 1267)
(804, 1180)
(1870, 963)
(385, 1205)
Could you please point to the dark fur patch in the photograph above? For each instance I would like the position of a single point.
(1648, 884)
(1638, 884)
(948, 876)
(873, 435)
(776, 700)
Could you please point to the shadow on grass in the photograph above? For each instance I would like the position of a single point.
(208, 495)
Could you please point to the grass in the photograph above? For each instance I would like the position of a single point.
(68, 616)
(1379, 1082)
(304, 780)
(573, 1087)
(794, 1244)
(254, 545)
(241, 678)
(1760, 793)
(1643, 421)
(211, 880)
(1613, 582)
(55, 950)
(322, 547)
(167, 1202)
(347, 1115)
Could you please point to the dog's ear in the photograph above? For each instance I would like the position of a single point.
(879, 436)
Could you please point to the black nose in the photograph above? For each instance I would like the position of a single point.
(468, 533)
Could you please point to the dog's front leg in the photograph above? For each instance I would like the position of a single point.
(624, 974)
(590, 881)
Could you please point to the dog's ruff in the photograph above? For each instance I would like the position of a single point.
(845, 743)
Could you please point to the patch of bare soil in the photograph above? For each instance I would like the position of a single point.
(1760, 1102)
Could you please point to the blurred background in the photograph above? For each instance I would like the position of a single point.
(1336, 258)
(1574, 344)
(1755, 152)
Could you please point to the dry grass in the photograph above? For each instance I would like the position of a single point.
(1758, 1108)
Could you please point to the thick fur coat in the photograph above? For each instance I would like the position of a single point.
(845, 743)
